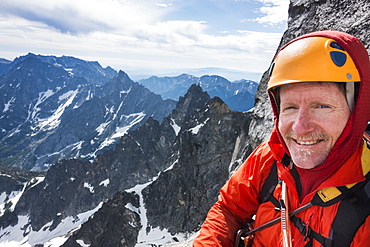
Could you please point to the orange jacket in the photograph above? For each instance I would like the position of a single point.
(239, 201)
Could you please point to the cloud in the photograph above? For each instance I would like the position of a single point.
(165, 5)
(132, 34)
(275, 12)
(83, 16)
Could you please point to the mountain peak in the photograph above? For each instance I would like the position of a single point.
(123, 74)
(193, 99)
(194, 96)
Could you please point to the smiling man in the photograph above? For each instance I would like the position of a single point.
(316, 164)
(312, 117)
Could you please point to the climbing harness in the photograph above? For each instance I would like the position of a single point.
(355, 201)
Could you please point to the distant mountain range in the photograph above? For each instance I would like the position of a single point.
(64, 107)
(238, 95)
(230, 74)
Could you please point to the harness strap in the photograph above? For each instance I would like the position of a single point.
(269, 186)
(356, 206)
(307, 232)
(354, 212)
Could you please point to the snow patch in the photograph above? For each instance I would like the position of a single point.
(35, 181)
(13, 198)
(171, 166)
(82, 243)
(90, 187)
(196, 129)
(132, 120)
(70, 71)
(132, 208)
(175, 127)
(100, 129)
(104, 183)
(127, 91)
(155, 236)
(7, 105)
(42, 97)
(53, 121)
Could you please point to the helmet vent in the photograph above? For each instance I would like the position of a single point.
(335, 45)
(339, 58)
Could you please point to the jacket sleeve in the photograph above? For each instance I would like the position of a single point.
(238, 202)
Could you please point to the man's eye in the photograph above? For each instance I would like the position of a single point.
(323, 106)
(289, 108)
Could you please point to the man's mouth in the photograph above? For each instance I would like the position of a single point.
(307, 142)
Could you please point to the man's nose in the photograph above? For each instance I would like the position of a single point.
(302, 122)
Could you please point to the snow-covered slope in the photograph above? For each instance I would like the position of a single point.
(48, 113)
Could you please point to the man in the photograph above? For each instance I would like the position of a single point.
(316, 158)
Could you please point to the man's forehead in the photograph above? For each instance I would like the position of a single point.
(310, 87)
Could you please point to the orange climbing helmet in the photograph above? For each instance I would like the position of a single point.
(312, 59)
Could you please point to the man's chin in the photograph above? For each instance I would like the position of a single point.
(305, 166)
(307, 162)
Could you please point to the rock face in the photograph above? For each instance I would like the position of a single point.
(196, 161)
(113, 219)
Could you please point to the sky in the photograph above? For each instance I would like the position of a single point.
(149, 37)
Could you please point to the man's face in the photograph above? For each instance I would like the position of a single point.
(312, 117)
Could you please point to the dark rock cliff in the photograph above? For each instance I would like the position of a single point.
(191, 150)
(197, 161)
(113, 219)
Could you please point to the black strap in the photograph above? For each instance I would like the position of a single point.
(352, 213)
(272, 180)
(269, 186)
(307, 232)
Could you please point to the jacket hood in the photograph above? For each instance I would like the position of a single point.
(351, 137)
